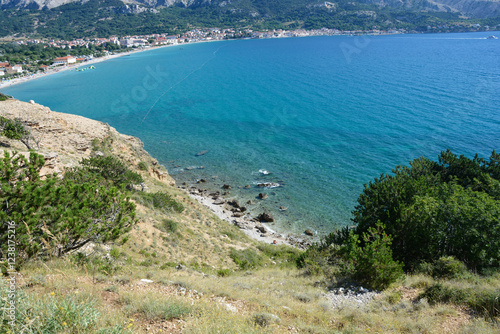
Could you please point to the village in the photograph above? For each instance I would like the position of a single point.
(115, 45)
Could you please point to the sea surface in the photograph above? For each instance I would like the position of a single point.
(320, 116)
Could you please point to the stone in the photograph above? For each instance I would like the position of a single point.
(266, 217)
(309, 232)
(226, 187)
(261, 229)
(234, 203)
(146, 280)
(202, 181)
(243, 208)
(283, 208)
(247, 186)
(262, 196)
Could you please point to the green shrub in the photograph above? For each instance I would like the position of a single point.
(51, 314)
(4, 97)
(224, 272)
(143, 166)
(159, 200)
(109, 168)
(485, 301)
(72, 214)
(371, 263)
(438, 208)
(449, 267)
(246, 258)
(168, 225)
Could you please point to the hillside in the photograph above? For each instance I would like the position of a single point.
(68, 19)
(188, 271)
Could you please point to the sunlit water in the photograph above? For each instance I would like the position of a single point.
(322, 115)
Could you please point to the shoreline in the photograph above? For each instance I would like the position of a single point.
(228, 210)
(24, 79)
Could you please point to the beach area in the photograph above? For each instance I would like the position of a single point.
(26, 78)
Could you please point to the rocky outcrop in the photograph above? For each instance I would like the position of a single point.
(66, 139)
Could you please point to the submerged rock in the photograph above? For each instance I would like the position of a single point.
(262, 196)
(309, 232)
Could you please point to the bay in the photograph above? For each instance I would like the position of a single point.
(322, 115)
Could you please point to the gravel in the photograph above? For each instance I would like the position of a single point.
(352, 296)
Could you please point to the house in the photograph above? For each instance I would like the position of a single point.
(3, 66)
(14, 69)
(2, 73)
(64, 60)
(80, 60)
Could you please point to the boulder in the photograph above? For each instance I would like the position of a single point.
(309, 232)
(266, 217)
(226, 186)
(262, 196)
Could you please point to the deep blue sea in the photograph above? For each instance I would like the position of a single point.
(322, 115)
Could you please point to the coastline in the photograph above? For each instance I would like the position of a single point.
(16, 81)
(255, 229)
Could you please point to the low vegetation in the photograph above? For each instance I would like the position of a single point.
(99, 254)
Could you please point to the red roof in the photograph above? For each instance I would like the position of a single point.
(4, 64)
(64, 58)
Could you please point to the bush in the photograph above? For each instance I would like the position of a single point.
(143, 166)
(449, 267)
(485, 301)
(434, 209)
(370, 261)
(168, 225)
(246, 258)
(159, 200)
(51, 314)
(4, 97)
(53, 218)
(110, 168)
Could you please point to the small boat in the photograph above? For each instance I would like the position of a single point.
(492, 37)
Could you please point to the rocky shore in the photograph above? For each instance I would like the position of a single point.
(237, 214)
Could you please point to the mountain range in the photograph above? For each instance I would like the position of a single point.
(470, 8)
(68, 19)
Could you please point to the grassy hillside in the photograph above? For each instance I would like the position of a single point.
(187, 271)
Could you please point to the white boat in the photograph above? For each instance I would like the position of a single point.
(492, 37)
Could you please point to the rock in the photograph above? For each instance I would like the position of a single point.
(247, 186)
(243, 208)
(219, 202)
(250, 202)
(146, 280)
(237, 214)
(226, 187)
(180, 267)
(201, 181)
(32, 102)
(262, 196)
(201, 153)
(234, 203)
(266, 217)
(283, 208)
(309, 232)
(261, 229)
(268, 185)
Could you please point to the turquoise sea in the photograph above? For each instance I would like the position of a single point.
(322, 115)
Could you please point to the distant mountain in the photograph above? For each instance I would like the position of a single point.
(68, 19)
(474, 8)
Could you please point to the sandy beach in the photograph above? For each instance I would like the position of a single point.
(15, 81)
